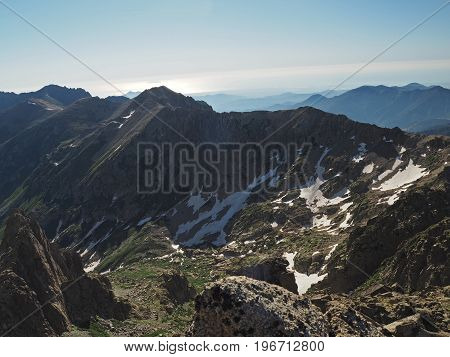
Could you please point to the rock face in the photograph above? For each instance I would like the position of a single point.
(272, 271)
(423, 261)
(239, 306)
(178, 288)
(43, 290)
(415, 325)
(406, 244)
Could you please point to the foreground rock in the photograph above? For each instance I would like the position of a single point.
(44, 290)
(239, 306)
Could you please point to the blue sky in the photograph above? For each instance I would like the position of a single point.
(246, 47)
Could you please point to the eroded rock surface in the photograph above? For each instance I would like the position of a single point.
(44, 290)
(239, 306)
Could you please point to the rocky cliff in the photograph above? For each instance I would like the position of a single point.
(44, 290)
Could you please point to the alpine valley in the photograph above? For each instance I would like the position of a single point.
(352, 239)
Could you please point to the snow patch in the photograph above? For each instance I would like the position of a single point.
(393, 198)
(196, 202)
(396, 164)
(230, 205)
(92, 266)
(311, 190)
(321, 223)
(144, 221)
(346, 222)
(345, 206)
(94, 227)
(362, 150)
(403, 177)
(368, 168)
(333, 248)
(303, 281)
(57, 231)
(129, 115)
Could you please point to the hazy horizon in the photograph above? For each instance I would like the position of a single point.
(206, 47)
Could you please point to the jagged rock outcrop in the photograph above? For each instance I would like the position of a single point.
(345, 320)
(44, 290)
(405, 244)
(423, 261)
(386, 310)
(415, 325)
(273, 271)
(239, 306)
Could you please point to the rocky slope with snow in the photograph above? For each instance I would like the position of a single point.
(352, 206)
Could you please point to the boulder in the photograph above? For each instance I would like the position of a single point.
(239, 306)
(415, 325)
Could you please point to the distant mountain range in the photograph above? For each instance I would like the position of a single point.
(56, 95)
(236, 103)
(414, 107)
(19, 111)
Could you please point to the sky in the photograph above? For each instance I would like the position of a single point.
(207, 46)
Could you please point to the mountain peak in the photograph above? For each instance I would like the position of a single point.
(160, 92)
(167, 97)
(414, 86)
(52, 93)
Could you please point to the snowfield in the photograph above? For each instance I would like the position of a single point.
(216, 219)
(403, 177)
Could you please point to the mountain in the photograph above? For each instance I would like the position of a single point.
(57, 95)
(19, 111)
(351, 216)
(117, 98)
(433, 126)
(132, 94)
(413, 107)
(23, 115)
(48, 140)
(229, 103)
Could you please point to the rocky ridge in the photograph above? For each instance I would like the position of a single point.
(44, 290)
